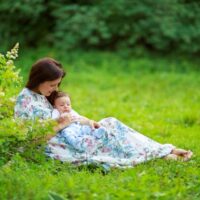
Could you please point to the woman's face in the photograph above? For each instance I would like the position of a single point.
(47, 87)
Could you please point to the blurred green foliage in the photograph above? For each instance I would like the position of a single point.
(158, 25)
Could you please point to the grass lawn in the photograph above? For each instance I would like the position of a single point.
(159, 97)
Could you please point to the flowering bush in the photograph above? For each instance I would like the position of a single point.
(16, 135)
(10, 82)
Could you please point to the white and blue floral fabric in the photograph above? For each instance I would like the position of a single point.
(112, 145)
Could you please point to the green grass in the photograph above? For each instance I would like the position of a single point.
(159, 97)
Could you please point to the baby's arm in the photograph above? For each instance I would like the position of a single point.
(85, 121)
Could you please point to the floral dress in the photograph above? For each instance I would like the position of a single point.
(112, 145)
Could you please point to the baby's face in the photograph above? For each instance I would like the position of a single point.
(63, 104)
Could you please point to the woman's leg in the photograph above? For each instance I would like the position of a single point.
(136, 136)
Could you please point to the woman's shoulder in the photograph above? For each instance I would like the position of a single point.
(28, 98)
(24, 94)
(27, 94)
(30, 105)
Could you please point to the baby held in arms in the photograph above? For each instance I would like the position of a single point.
(63, 109)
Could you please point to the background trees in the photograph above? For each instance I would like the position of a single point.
(156, 25)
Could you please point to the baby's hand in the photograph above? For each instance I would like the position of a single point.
(65, 117)
(94, 124)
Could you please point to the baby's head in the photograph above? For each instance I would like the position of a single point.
(62, 102)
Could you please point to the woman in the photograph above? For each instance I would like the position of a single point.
(112, 144)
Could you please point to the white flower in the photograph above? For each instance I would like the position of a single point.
(13, 54)
(9, 62)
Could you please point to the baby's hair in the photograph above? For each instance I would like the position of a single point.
(57, 94)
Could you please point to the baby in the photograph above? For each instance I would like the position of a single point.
(62, 109)
(81, 132)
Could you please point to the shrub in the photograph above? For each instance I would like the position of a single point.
(16, 135)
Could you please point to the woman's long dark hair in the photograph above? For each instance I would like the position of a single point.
(45, 69)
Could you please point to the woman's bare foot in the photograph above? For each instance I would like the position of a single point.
(186, 155)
